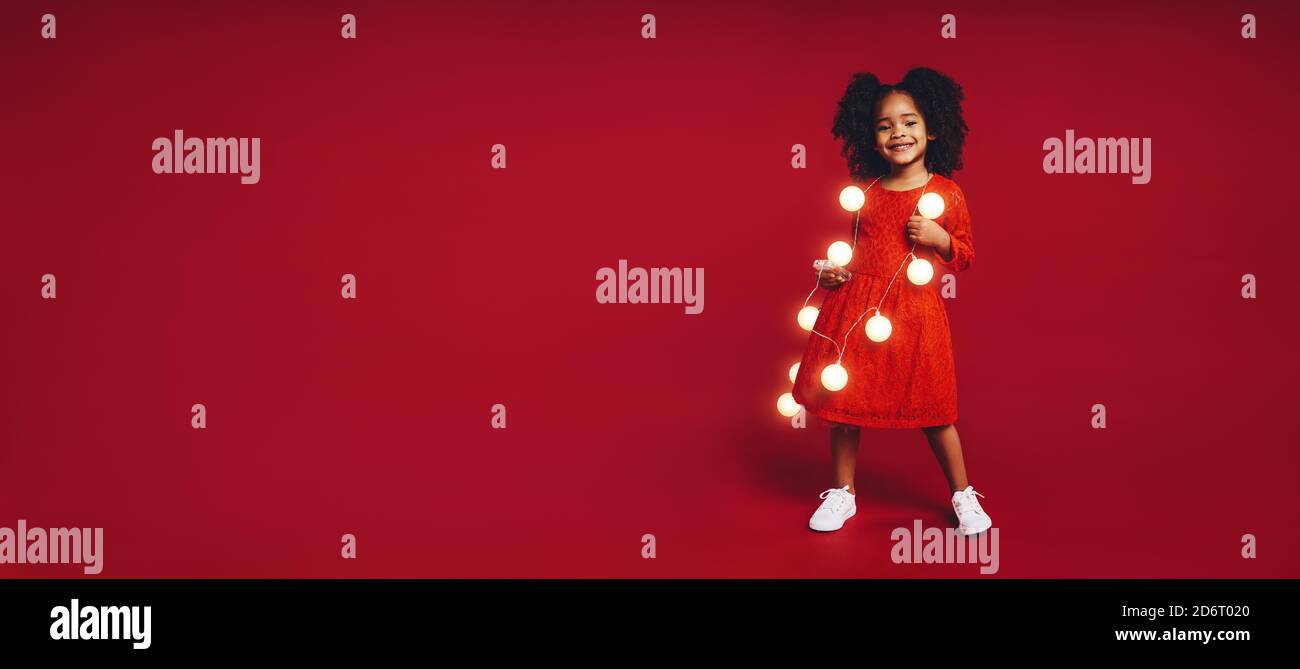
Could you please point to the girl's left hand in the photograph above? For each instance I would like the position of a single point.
(925, 231)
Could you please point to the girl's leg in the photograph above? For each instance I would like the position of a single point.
(947, 449)
(844, 454)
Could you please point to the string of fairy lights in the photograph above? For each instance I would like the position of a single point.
(878, 328)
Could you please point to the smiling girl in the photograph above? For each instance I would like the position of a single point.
(901, 141)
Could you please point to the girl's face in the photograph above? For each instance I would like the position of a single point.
(900, 130)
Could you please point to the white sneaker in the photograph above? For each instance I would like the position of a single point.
(971, 518)
(838, 507)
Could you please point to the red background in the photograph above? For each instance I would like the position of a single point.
(476, 286)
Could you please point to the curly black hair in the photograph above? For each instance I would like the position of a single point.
(937, 97)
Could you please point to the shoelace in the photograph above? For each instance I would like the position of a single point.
(965, 500)
(834, 502)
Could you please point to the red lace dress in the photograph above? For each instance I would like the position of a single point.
(908, 380)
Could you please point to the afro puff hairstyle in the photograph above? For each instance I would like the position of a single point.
(937, 97)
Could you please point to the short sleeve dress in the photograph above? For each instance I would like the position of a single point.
(909, 379)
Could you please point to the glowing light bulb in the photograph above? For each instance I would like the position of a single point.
(808, 317)
(879, 327)
(787, 406)
(931, 205)
(835, 377)
(920, 271)
(794, 371)
(852, 198)
(840, 253)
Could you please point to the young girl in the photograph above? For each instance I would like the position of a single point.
(901, 141)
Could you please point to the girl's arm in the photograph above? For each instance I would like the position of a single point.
(958, 253)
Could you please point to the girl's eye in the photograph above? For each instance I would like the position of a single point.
(885, 127)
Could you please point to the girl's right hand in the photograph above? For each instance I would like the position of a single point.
(832, 278)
